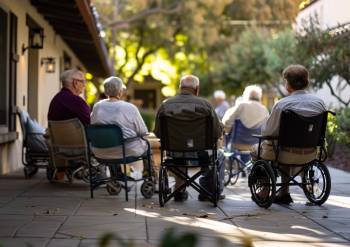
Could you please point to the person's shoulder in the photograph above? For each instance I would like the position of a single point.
(128, 106)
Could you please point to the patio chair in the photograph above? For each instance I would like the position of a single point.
(111, 136)
(68, 149)
(35, 153)
(187, 138)
(237, 151)
(295, 131)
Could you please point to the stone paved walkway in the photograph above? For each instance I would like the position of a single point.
(36, 213)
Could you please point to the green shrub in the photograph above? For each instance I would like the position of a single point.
(149, 117)
(338, 128)
(343, 126)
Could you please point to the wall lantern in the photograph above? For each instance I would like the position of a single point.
(49, 64)
(36, 39)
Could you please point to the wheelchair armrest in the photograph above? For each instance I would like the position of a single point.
(265, 137)
(332, 112)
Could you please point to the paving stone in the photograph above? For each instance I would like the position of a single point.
(95, 226)
(41, 226)
(41, 206)
(23, 242)
(9, 224)
(64, 243)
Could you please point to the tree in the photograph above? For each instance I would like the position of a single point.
(327, 54)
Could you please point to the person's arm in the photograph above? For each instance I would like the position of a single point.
(272, 125)
(229, 118)
(217, 125)
(82, 111)
(140, 126)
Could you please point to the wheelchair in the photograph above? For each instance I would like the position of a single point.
(301, 132)
(35, 153)
(182, 143)
(111, 136)
(238, 161)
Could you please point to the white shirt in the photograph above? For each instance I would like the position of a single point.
(300, 102)
(251, 113)
(129, 118)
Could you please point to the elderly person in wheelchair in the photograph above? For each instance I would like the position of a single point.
(189, 128)
(114, 110)
(240, 122)
(289, 145)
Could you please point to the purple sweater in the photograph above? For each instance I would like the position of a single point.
(65, 105)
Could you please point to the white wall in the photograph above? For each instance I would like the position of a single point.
(10, 154)
(330, 13)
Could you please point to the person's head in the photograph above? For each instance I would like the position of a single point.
(219, 97)
(189, 83)
(113, 87)
(252, 92)
(296, 77)
(74, 80)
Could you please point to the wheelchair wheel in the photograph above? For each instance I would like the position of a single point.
(228, 168)
(147, 189)
(164, 189)
(235, 171)
(316, 183)
(114, 188)
(30, 171)
(262, 184)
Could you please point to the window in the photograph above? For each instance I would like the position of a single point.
(8, 60)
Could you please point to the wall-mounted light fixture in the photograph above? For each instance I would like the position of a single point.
(36, 39)
(50, 64)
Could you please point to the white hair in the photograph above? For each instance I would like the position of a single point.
(67, 76)
(113, 86)
(219, 94)
(252, 92)
(189, 81)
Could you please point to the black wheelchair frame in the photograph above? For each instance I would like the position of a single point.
(31, 160)
(193, 141)
(295, 131)
(111, 135)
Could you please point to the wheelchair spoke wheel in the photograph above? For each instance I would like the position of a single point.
(235, 171)
(262, 184)
(316, 183)
(147, 189)
(113, 188)
(164, 189)
(228, 169)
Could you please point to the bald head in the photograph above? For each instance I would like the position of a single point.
(189, 83)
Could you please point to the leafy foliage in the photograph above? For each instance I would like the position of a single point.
(327, 55)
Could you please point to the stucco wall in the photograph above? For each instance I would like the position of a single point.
(10, 154)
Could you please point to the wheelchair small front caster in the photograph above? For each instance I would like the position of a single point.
(114, 188)
(147, 189)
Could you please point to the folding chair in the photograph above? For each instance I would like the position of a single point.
(111, 136)
(185, 138)
(295, 131)
(238, 161)
(35, 153)
(68, 149)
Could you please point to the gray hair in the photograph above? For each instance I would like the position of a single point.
(189, 81)
(67, 76)
(113, 86)
(252, 92)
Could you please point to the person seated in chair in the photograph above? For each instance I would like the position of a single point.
(187, 105)
(249, 111)
(296, 78)
(67, 103)
(221, 104)
(114, 110)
